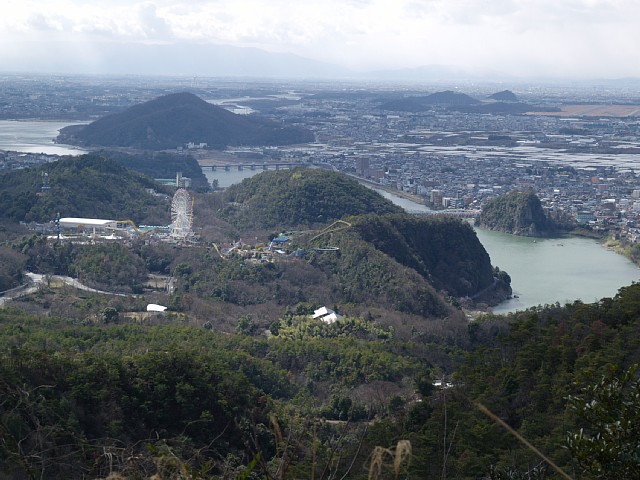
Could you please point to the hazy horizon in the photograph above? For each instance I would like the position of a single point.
(485, 39)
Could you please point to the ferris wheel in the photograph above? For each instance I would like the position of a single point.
(181, 215)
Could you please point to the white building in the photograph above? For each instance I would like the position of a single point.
(326, 315)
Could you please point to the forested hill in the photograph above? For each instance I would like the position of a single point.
(162, 165)
(444, 250)
(179, 118)
(299, 197)
(520, 213)
(86, 186)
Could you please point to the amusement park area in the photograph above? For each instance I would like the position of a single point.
(86, 230)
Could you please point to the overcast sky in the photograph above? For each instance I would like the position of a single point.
(558, 38)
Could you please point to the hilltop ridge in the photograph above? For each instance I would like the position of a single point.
(520, 213)
(176, 119)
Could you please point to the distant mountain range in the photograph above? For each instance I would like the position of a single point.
(504, 102)
(209, 60)
(176, 119)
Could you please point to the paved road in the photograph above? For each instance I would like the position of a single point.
(34, 280)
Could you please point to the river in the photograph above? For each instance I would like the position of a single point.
(542, 272)
(33, 136)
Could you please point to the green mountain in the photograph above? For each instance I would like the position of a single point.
(179, 118)
(444, 250)
(520, 213)
(87, 186)
(297, 198)
(162, 165)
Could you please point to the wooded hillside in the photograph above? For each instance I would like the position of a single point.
(176, 119)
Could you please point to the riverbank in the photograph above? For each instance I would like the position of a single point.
(393, 191)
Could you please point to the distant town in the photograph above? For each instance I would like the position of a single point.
(576, 148)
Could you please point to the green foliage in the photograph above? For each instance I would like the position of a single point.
(162, 165)
(110, 264)
(12, 264)
(520, 213)
(444, 250)
(306, 327)
(299, 197)
(608, 446)
(173, 120)
(365, 275)
(87, 186)
(65, 402)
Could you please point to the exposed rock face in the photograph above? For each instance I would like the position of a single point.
(519, 213)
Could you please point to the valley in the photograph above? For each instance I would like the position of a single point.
(305, 321)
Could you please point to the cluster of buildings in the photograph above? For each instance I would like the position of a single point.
(583, 167)
(18, 160)
(580, 163)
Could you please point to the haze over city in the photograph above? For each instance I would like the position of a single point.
(488, 39)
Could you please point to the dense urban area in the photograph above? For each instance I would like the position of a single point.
(576, 152)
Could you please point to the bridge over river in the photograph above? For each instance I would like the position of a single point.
(252, 166)
(449, 213)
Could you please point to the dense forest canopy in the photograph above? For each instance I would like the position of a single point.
(238, 380)
(87, 186)
(445, 250)
(299, 197)
(133, 398)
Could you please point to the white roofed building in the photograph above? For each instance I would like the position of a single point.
(87, 223)
(326, 315)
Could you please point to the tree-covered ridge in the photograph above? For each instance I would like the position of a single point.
(173, 120)
(520, 213)
(363, 274)
(444, 250)
(135, 400)
(504, 96)
(162, 165)
(299, 197)
(87, 186)
(533, 369)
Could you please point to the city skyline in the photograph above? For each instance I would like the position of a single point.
(577, 39)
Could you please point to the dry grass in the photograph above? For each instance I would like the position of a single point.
(399, 454)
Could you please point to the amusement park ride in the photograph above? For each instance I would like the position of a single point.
(180, 230)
